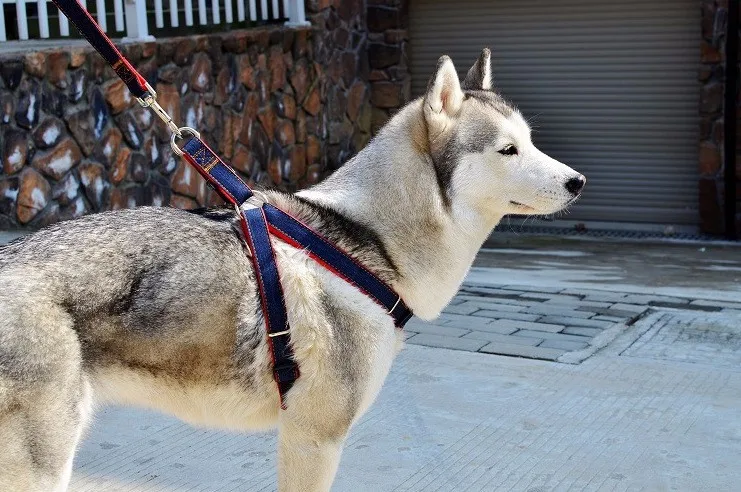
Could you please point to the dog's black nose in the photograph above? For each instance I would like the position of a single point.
(574, 185)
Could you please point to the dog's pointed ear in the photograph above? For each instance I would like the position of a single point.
(479, 76)
(444, 95)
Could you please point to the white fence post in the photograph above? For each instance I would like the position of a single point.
(21, 19)
(3, 37)
(297, 15)
(43, 19)
(136, 21)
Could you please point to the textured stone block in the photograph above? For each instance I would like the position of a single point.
(386, 94)
(15, 150)
(55, 163)
(33, 195)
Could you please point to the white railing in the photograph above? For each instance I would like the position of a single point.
(131, 17)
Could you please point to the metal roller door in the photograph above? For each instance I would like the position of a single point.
(610, 88)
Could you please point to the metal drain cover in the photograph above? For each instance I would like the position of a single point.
(690, 337)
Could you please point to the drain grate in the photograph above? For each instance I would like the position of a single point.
(606, 233)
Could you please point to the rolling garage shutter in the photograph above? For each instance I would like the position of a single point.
(610, 88)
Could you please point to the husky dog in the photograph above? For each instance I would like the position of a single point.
(158, 307)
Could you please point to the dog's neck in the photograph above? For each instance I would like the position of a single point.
(391, 187)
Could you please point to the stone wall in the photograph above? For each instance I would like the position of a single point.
(712, 157)
(284, 106)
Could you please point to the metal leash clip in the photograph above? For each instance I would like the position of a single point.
(150, 101)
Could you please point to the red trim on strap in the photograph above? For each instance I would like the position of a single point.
(288, 239)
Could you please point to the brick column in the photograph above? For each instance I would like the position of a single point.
(388, 40)
(711, 155)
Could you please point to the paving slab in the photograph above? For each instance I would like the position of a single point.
(654, 409)
(550, 336)
(582, 331)
(496, 337)
(563, 344)
(567, 321)
(589, 268)
(512, 316)
(522, 350)
(528, 325)
(551, 310)
(488, 307)
(430, 340)
(578, 303)
(462, 308)
(432, 329)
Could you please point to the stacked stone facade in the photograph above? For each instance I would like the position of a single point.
(284, 106)
(75, 141)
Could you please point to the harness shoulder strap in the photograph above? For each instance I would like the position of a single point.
(285, 369)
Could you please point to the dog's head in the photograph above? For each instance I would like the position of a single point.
(482, 148)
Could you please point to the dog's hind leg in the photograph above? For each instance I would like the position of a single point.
(45, 399)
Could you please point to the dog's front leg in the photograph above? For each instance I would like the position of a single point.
(307, 458)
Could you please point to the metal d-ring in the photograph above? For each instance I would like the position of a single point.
(183, 131)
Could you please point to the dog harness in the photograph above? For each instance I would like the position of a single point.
(258, 219)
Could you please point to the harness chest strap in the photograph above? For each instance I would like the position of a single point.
(295, 232)
(257, 221)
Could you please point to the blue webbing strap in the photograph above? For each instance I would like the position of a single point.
(285, 369)
(103, 45)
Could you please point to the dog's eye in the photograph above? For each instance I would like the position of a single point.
(509, 150)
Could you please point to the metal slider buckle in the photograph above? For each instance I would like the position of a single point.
(256, 200)
(279, 333)
(253, 202)
(398, 300)
(148, 99)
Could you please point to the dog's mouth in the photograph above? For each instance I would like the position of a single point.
(521, 206)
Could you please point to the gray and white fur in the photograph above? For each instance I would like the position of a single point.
(158, 307)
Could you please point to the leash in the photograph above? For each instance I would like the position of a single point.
(258, 219)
